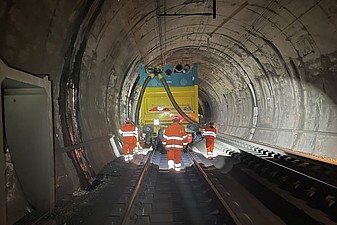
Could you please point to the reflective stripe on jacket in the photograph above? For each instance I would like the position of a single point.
(210, 133)
(175, 137)
(129, 133)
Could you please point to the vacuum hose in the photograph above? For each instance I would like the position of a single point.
(167, 89)
(174, 103)
(139, 102)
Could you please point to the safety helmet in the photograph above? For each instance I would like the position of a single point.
(175, 118)
(127, 120)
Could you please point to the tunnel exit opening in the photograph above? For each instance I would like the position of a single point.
(27, 186)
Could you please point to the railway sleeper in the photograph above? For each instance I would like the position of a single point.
(315, 198)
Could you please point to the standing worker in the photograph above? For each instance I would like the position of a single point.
(210, 135)
(174, 140)
(130, 138)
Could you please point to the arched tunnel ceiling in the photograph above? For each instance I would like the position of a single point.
(267, 68)
(264, 57)
(262, 32)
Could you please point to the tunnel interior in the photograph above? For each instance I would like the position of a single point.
(267, 71)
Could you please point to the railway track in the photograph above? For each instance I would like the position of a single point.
(254, 186)
(262, 187)
(305, 186)
(188, 197)
(259, 189)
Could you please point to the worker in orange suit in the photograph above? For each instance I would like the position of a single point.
(174, 140)
(130, 139)
(210, 135)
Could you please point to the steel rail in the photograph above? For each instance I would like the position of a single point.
(297, 172)
(215, 190)
(135, 191)
(278, 164)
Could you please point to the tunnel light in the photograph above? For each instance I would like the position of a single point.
(156, 122)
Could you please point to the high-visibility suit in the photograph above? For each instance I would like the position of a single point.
(174, 140)
(130, 138)
(189, 138)
(210, 135)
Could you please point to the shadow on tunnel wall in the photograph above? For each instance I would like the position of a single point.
(320, 73)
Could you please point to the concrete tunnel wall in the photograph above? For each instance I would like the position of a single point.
(284, 52)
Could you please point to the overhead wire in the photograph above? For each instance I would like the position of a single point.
(242, 36)
(165, 40)
(253, 25)
(200, 23)
(256, 25)
(159, 29)
(264, 17)
(236, 11)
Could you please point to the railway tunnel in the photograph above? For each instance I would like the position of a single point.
(267, 73)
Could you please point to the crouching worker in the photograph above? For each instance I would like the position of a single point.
(130, 139)
(174, 140)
